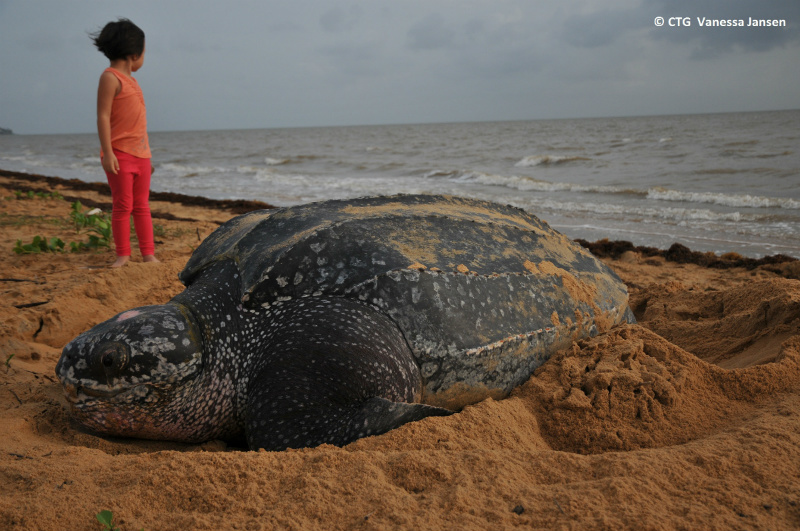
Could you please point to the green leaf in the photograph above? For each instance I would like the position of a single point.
(105, 517)
(55, 245)
(38, 245)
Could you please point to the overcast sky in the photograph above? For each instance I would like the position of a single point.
(263, 64)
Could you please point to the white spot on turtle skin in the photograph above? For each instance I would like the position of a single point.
(298, 278)
(416, 294)
(127, 315)
(282, 281)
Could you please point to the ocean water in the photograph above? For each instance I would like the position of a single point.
(719, 182)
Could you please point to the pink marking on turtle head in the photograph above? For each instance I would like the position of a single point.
(128, 315)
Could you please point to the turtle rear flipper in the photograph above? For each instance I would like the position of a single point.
(336, 424)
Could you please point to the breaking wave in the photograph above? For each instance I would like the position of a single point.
(523, 183)
(547, 160)
(728, 200)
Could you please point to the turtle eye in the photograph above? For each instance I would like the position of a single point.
(114, 357)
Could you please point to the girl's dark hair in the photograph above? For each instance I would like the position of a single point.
(120, 39)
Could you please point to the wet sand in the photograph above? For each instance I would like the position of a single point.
(688, 420)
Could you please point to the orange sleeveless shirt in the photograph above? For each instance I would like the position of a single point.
(129, 118)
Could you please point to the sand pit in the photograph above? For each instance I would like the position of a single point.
(688, 420)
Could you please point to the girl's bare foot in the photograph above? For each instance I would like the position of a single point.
(150, 258)
(121, 261)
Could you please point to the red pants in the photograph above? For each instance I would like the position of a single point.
(130, 196)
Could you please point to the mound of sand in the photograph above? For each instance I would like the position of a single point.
(688, 420)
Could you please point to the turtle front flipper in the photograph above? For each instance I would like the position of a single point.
(378, 415)
(333, 370)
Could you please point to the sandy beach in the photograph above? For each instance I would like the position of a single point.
(688, 420)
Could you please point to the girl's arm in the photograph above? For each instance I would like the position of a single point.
(108, 88)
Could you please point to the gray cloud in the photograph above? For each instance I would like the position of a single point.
(247, 63)
(355, 59)
(601, 28)
(430, 33)
(604, 27)
(709, 43)
(339, 20)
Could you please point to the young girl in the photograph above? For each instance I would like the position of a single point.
(122, 127)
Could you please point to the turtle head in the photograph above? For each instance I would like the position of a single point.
(124, 376)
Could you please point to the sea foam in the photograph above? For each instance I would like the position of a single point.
(547, 160)
(729, 200)
(530, 184)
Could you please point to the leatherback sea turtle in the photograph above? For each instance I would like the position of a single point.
(327, 322)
